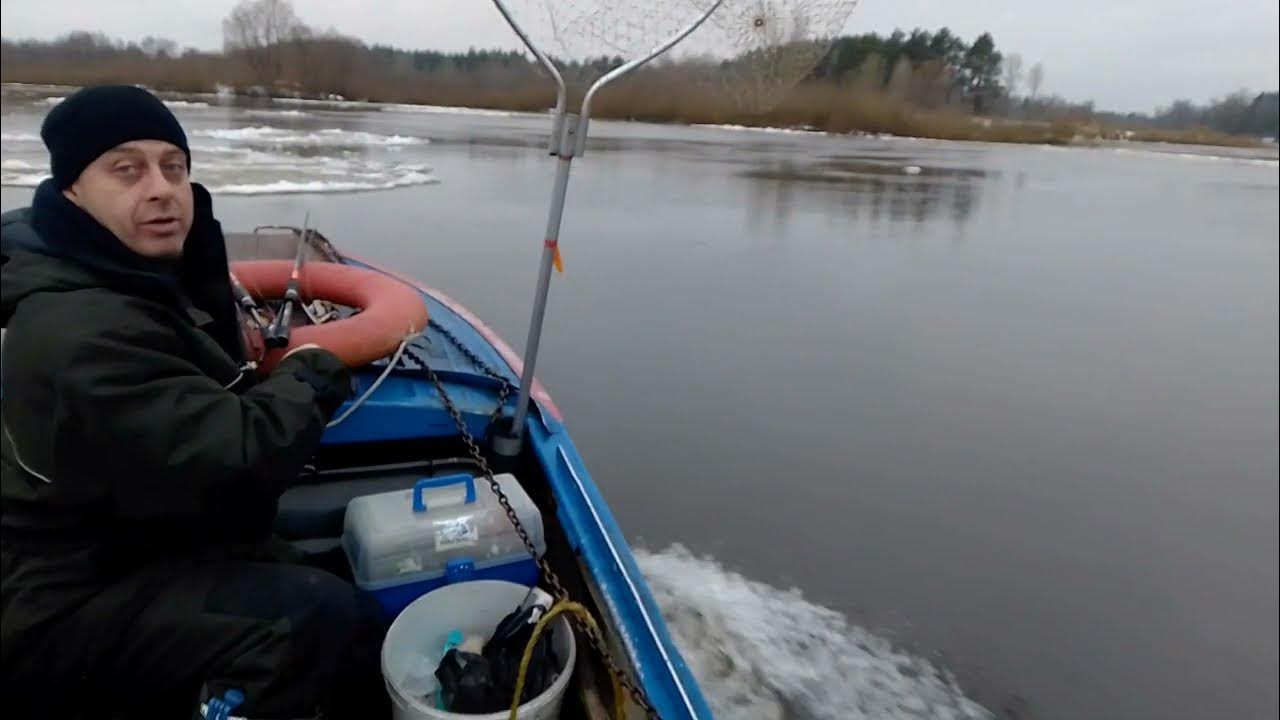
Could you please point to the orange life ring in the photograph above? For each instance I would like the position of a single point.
(389, 309)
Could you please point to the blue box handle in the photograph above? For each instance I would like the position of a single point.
(420, 505)
(459, 570)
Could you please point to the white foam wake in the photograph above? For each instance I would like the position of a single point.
(754, 128)
(332, 137)
(288, 187)
(445, 110)
(336, 103)
(22, 179)
(1204, 156)
(269, 113)
(16, 164)
(192, 104)
(761, 653)
(55, 99)
(254, 173)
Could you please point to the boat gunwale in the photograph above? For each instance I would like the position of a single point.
(594, 534)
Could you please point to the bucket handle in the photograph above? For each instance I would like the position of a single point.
(420, 505)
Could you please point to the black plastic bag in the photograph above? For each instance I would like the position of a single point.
(466, 684)
(505, 649)
(485, 683)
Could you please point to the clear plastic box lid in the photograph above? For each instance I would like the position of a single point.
(409, 535)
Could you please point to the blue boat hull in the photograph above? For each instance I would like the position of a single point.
(406, 407)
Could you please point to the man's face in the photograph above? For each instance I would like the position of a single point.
(140, 191)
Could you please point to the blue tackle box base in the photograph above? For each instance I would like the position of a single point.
(396, 598)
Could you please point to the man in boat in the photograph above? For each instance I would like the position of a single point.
(142, 463)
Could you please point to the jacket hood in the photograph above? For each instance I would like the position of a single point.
(26, 268)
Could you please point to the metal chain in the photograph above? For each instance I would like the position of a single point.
(557, 588)
(549, 575)
(503, 393)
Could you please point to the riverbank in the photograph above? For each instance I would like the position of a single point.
(823, 107)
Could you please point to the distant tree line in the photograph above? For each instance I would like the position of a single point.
(928, 68)
(268, 50)
(1241, 113)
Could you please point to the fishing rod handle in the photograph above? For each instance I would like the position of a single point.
(277, 333)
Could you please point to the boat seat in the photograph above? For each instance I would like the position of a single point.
(315, 508)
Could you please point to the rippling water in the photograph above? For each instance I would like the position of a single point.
(1004, 417)
(247, 151)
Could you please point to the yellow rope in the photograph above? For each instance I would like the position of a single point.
(556, 610)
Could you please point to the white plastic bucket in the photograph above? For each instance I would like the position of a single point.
(472, 607)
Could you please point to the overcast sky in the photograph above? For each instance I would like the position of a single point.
(1124, 54)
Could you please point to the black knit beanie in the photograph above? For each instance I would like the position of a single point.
(93, 120)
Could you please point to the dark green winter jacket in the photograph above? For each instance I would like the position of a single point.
(132, 430)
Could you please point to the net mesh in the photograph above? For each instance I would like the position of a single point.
(749, 51)
(768, 46)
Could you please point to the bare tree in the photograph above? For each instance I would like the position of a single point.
(257, 30)
(154, 47)
(1035, 77)
(334, 64)
(1012, 72)
(300, 49)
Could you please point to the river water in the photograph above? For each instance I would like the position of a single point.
(890, 417)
